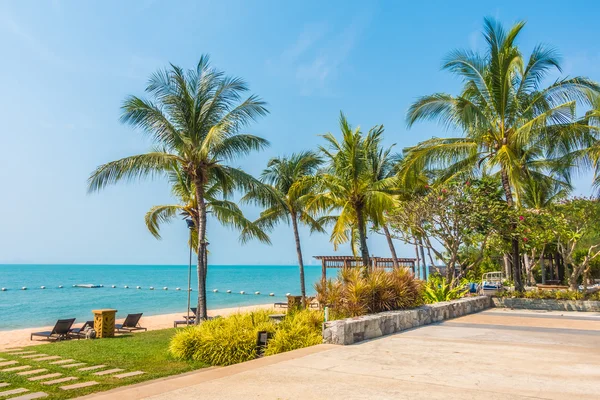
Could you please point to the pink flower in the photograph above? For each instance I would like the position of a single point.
(525, 239)
(426, 186)
(521, 218)
(468, 183)
(444, 191)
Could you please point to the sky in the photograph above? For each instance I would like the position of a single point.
(67, 66)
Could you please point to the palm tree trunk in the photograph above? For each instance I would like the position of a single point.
(362, 234)
(202, 257)
(516, 258)
(388, 236)
(423, 259)
(417, 271)
(300, 261)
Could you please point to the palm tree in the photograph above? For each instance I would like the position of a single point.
(195, 118)
(347, 185)
(513, 126)
(284, 203)
(223, 210)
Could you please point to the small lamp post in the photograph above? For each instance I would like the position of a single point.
(191, 225)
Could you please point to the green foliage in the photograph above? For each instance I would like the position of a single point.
(551, 295)
(439, 289)
(222, 341)
(298, 329)
(356, 293)
(231, 340)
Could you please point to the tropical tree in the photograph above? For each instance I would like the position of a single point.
(347, 185)
(195, 118)
(223, 210)
(285, 204)
(513, 126)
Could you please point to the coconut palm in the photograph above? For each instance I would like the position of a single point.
(283, 204)
(195, 117)
(513, 126)
(348, 186)
(223, 210)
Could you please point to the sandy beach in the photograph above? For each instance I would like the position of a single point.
(20, 337)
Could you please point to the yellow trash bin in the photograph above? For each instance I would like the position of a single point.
(104, 322)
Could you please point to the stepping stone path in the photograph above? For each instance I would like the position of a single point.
(70, 360)
(20, 353)
(31, 396)
(60, 380)
(47, 358)
(13, 391)
(93, 367)
(34, 355)
(32, 372)
(47, 376)
(128, 374)
(79, 385)
(72, 365)
(5, 363)
(108, 371)
(4, 384)
(22, 367)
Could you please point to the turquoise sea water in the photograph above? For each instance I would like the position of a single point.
(38, 307)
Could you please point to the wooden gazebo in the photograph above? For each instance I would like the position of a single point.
(353, 262)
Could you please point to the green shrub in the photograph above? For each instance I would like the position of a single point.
(439, 289)
(355, 292)
(548, 295)
(298, 329)
(222, 341)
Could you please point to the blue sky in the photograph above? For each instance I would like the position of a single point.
(67, 66)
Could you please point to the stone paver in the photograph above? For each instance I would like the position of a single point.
(47, 376)
(2, 359)
(34, 355)
(47, 358)
(72, 365)
(13, 391)
(19, 368)
(108, 371)
(30, 396)
(5, 363)
(93, 367)
(60, 380)
(70, 360)
(128, 374)
(472, 357)
(20, 353)
(4, 384)
(32, 372)
(79, 385)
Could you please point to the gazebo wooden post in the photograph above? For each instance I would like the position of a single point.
(323, 271)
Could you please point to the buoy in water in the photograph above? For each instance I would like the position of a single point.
(4, 289)
(60, 286)
(101, 285)
(242, 292)
(257, 292)
(138, 287)
(74, 285)
(113, 286)
(288, 294)
(23, 288)
(177, 288)
(151, 287)
(229, 291)
(215, 290)
(165, 288)
(126, 287)
(42, 287)
(271, 294)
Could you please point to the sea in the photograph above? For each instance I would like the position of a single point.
(40, 307)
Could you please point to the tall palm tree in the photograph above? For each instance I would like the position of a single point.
(513, 126)
(347, 185)
(195, 117)
(284, 203)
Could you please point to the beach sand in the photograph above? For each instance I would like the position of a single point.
(20, 337)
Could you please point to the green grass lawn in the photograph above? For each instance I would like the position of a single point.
(145, 351)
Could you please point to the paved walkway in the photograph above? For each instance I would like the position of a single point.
(496, 354)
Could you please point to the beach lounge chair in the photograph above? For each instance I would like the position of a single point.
(59, 332)
(81, 332)
(185, 317)
(131, 323)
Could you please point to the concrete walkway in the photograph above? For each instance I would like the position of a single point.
(496, 354)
